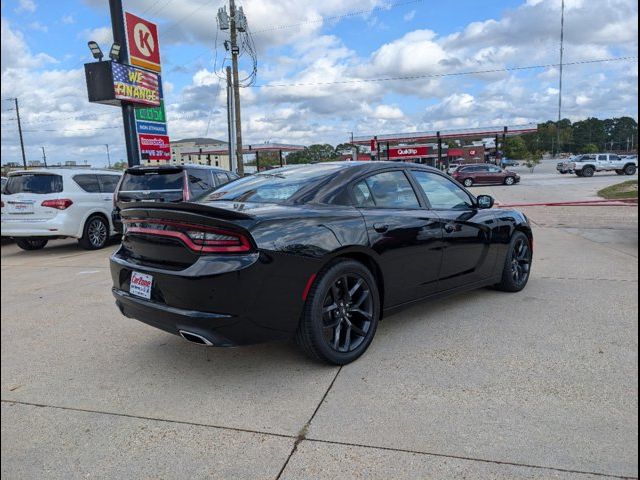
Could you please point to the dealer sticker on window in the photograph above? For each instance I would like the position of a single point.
(141, 285)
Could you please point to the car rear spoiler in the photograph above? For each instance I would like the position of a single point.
(135, 209)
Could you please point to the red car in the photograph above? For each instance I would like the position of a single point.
(482, 173)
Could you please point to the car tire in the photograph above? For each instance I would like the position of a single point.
(31, 243)
(630, 170)
(95, 234)
(588, 172)
(467, 182)
(336, 326)
(509, 181)
(517, 264)
(620, 172)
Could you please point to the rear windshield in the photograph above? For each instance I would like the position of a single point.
(171, 180)
(275, 186)
(38, 183)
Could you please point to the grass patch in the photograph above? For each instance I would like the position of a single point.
(622, 190)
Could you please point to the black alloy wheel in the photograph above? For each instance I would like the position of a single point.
(517, 267)
(31, 243)
(347, 313)
(96, 233)
(588, 172)
(630, 170)
(341, 314)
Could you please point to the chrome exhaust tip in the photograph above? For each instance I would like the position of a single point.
(195, 338)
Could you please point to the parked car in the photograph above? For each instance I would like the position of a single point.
(4, 182)
(588, 165)
(38, 205)
(167, 183)
(506, 162)
(319, 253)
(483, 173)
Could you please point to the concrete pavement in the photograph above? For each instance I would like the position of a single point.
(540, 384)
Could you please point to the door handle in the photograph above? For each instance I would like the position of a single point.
(450, 228)
(380, 227)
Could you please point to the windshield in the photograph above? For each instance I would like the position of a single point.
(275, 186)
(38, 183)
(153, 180)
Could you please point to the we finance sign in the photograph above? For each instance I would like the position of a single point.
(135, 85)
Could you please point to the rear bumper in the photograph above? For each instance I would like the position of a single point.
(59, 226)
(219, 329)
(227, 299)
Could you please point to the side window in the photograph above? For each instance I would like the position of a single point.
(602, 158)
(200, 181)
(221, 178)
(108, 183)
(363, 195)
(386, 190)
(495, 170)
(88, 182)
(614, 158)
(441, 192)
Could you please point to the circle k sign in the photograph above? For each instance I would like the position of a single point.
(142, 40)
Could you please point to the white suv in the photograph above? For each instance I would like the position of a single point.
(38, 205)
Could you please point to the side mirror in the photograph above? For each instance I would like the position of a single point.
(484, 201)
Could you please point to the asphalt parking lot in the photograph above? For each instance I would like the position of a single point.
(540, 384)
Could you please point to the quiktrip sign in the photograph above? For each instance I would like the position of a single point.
(408, 152)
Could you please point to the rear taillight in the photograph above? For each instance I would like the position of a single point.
(198, 238)
(60, 204)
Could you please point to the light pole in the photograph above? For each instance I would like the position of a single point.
(108, 156)
(44, 157)
(560, 85)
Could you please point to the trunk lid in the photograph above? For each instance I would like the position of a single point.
(174, 235)
(25, 193)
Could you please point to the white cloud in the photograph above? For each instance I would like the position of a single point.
(38, 27)
(26, 6)
(68, 19)
(409, 16)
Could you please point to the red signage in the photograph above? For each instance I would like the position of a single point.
(374, 145)
(156, 147)
(143, 43)
(473, 152)
(408, 152)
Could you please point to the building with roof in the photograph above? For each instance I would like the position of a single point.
(193, 150)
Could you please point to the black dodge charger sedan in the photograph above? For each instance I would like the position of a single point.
(316, 252)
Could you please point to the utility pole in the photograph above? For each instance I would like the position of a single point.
(108, 156)
(235, 52)
(231, 123)
(44, 157)
(24, 158)
(561, 66)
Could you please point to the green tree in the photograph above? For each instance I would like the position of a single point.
(516, 148)
(121, 165)
(589, 148)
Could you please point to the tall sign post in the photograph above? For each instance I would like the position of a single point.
(132, 81)
(128, 114)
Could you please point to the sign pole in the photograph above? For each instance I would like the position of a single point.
(128, 111)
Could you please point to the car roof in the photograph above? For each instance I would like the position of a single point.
(66, 172)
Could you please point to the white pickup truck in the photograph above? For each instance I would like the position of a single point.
(587, 165)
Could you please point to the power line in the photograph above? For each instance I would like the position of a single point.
(450, 74)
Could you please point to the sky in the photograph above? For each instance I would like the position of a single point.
(325, 69)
